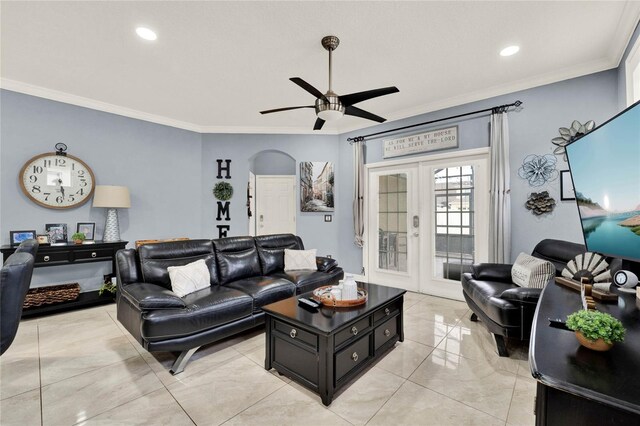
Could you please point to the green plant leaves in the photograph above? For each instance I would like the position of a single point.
(596, 325)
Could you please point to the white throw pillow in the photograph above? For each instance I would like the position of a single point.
(295, 260)
(189, 278)
(529, 271)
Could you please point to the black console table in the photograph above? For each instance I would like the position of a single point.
(577, 385)
(71, 254)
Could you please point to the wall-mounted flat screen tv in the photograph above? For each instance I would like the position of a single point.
(605, 168)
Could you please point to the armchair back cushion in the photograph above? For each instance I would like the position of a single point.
(237, 258)
(557, 252)
(156, 258)
(271, 250)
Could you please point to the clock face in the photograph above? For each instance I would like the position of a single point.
(57, 181)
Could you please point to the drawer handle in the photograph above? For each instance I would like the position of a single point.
(387, 333)
(354, 356)
(387, 311)
(354, 330)
(293, 333)
(94, 254)
(46, 258)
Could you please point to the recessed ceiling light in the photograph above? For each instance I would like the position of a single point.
(508, 51)
(146, 33)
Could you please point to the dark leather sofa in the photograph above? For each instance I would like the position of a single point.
(15, 279)
(246, 274)
(503, 307)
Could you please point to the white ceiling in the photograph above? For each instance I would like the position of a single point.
(216, 64)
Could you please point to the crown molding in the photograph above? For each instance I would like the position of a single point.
(629, 20)
(499, 90)
(267, 130)
(67, 98)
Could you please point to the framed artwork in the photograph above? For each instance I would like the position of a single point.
(57, 232)
(316, 187)
(43, 239)
(16, 237)
(566, 186)
(88, 229)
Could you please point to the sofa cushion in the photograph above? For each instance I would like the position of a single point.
(264, 290)
(205, 309)
(486, 294)
(156, 258)
(189, 278)
(271, 250)
(529, 271)
(306, 281)
(237, 258)
(300, 260)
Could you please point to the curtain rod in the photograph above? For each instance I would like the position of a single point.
(502, 108)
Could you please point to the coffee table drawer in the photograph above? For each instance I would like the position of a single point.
(352, 356)
(297, 334)
(302, 362)
(352, 332)
(385, 332)
(387, 311)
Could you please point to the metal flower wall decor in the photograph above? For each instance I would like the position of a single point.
(538, 169)
(568, 135)
(540, 203)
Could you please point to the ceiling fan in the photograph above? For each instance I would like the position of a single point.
(331, 106)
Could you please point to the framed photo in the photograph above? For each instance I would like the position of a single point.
(566, 186)
(16, 237)
(316, 186)
(42, 239)
(88, 229)
(57, 232)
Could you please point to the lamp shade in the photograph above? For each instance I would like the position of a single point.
(115, 197)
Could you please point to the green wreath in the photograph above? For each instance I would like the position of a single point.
(223, 191)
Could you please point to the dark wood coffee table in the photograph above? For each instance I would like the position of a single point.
(325, 350)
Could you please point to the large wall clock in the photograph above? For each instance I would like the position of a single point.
(57, 180)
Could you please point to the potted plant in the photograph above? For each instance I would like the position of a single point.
(596, 330)
(78, 237)
(107, 287)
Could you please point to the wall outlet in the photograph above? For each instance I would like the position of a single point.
(328, 256)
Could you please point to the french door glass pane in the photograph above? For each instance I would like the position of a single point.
(454, 224)
(392, 222)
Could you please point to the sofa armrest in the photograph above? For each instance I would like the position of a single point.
(325, 264)
(522, 295)
(126, 266)
(150, 296)
(492, 272)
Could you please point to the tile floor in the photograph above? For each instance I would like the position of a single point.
(83, 368)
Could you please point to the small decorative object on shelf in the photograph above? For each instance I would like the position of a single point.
(16, 237)
(109, 286)
(540, 203)
(88, 229)
(332, 296)
(223, 191)
(78, 238)
(57, 232)
(596, 330)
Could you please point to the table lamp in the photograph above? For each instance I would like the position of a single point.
(111, 197)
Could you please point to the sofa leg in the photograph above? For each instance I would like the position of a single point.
(473, 317)
(183, 359)
(501, 345)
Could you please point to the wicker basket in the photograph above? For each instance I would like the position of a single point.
(51, 294)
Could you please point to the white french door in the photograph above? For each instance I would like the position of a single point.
(427, 221)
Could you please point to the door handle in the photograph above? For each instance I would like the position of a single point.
(415, 234)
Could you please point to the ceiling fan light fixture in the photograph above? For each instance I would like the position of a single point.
(330, 109)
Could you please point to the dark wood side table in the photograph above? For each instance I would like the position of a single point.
(71, 254)
(577, 385)
(325, 350)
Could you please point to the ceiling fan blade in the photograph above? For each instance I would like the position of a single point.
(357, 112)
(309, 88)
(354, 98)
(319, 124)
(269, 111)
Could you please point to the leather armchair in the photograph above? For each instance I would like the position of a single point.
(15, 278)
(504, 308)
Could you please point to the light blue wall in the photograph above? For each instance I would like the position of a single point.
(160, 165)
(311, 227)
(622, 78)
(545, 109)
(272, 162)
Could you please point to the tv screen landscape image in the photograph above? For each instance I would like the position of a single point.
(605, 168)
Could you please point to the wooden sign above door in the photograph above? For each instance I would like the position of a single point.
(433, 140)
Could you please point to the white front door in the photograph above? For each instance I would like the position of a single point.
(393, 227)
(427, 222)
(275, 205)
